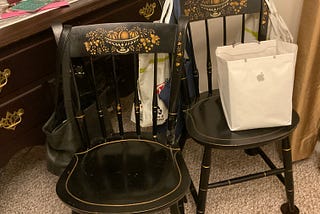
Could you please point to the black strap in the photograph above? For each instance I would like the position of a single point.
(67, 80)
(61, 43)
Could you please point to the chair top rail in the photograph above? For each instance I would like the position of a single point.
(207, 9)
(122, 38)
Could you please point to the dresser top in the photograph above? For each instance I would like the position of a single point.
(17, 28)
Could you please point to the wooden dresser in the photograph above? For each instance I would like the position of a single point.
(27, 65)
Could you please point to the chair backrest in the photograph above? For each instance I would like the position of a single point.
(92, 43)
(224, 22)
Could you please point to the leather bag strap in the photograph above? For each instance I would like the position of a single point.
(61, 34)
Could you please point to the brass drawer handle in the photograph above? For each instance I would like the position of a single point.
(11, 120)
(4, 75)
(148, 10)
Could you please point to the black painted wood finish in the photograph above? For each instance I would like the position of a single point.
(128, 171)
(205, 121)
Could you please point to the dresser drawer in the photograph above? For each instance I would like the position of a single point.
(121, 11)
(24, 111)
(27, 65)
(21, 120)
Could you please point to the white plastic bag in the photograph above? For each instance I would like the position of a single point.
(256, 83)
(145, 88)
(277, 28)
(145, 80)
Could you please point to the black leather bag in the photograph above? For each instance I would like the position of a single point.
(62, 141)
(62, 135)
(63, 138)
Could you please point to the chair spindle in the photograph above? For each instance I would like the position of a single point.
(154, 97)
(262, 18)
(209, 64)
(93, 83)
(243, 27)
(117, 97)
(224, 23)
(195, 70)
(136, 95)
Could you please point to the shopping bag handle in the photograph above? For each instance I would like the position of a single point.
(279, 25)
(166, 11)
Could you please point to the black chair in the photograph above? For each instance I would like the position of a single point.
(129, 171)
(205, 121)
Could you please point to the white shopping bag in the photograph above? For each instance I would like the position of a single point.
(145, 80)
(256, 83)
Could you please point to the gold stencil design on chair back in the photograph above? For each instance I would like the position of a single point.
(121, 40)
(199, 9)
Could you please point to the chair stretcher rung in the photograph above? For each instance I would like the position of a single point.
(268, 161)
(245, 178)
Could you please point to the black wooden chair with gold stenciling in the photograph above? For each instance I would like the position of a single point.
(225, 21)
(131, 171)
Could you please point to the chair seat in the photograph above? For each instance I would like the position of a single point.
(102, 180)
(206, 123)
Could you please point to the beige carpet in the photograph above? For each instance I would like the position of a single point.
(26, 187)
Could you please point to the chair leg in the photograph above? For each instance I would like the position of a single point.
(174, 209)
(251, 152)
(194, 192)
(204, 180)
(289, 206)
(181, 205)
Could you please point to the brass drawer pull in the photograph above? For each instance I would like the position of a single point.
(148, 10)
(4, 75)
(11, 120)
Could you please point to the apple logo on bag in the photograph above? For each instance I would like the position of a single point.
(260, 77)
